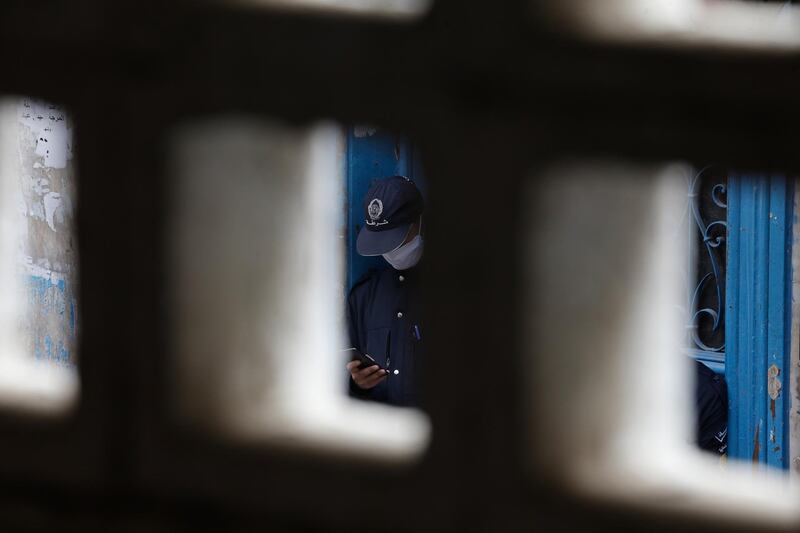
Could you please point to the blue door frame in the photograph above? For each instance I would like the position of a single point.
(758, 326)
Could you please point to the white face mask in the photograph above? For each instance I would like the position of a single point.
(407, 255)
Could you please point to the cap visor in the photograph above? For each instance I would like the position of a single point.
(380, 242)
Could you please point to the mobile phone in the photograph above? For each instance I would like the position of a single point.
(365, 359)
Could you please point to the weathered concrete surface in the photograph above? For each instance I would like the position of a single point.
(46, 249)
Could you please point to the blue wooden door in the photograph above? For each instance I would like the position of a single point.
(758, 305)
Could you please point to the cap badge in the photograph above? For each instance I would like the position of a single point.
(374, 210)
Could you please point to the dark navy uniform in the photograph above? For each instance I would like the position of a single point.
(384, 319)
(711, 397)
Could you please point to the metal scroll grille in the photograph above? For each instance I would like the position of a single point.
(707, 212)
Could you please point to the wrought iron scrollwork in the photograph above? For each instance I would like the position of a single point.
(708, 210)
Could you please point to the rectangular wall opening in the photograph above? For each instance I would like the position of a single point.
(260, 250)
(38, 257)
(613, 312)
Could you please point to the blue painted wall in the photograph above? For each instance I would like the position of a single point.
(52, 311)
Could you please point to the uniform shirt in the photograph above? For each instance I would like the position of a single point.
(384, 321)
(711, 398)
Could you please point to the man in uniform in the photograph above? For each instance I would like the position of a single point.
(384, 306)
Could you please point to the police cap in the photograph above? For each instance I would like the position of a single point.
(391, 205)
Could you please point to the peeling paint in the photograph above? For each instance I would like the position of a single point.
(757, 443)
(52, 209)
(49, 127)
(773, 383)
(46, 257)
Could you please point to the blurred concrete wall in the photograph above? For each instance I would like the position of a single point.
(492, 92)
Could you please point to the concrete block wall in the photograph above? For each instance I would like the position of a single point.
(493, 92)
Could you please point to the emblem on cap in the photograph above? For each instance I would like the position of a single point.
(374, 210)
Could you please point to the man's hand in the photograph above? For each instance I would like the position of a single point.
(366, 378)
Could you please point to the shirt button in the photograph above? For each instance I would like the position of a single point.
(396, 372)
(399, 314)
(401, 278)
